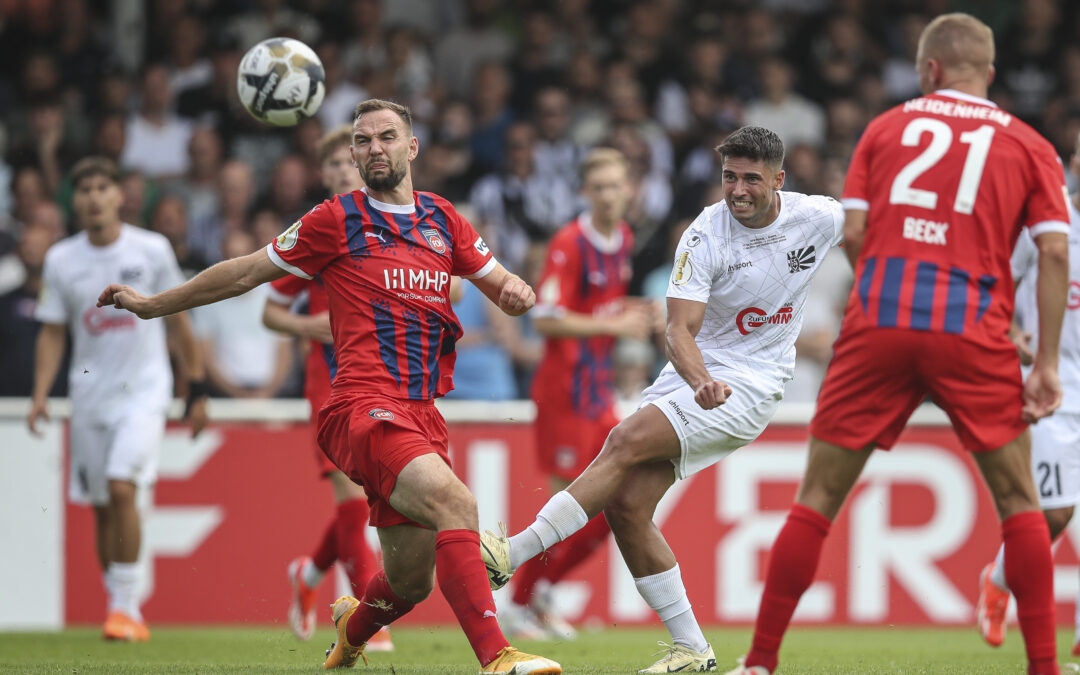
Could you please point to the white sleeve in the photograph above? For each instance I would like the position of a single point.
(1025, 257)
(51, 307)
(695, 267)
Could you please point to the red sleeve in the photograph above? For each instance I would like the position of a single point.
(1047, 207)
(559, 285)
(311, 243)
(287, 288)
(472, 257)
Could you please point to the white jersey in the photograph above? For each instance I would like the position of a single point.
(754, 282)
(1025, 270)
(118, 361)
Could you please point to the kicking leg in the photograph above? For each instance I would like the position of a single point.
(646, 436)
(654, 568)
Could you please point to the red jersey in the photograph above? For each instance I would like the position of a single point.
(584, 273)
(321, 365)
(947, 181)
(386, 269)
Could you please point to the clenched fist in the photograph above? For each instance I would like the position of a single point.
(126, 297)
(516, 297)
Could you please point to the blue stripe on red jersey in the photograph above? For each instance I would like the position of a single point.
(386, 334)
(434, 351)
(414, 351)
(330, 358)
(956, 301)
(986, 282)
(583, 252)
(354, 228)
(865, 282)
(381, 228)
(889, 298)
(922, 302)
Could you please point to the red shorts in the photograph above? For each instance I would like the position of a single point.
(878, 376)
(566, 442)
(316, 397)
(371, 438)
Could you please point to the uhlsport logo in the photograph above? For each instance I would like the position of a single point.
(380, 414)
(752, 317)
(684, 269)
(800, 259)
(434, 241)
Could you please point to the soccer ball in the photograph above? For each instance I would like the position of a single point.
(281, 81)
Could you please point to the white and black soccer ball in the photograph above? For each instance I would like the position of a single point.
(281, 81)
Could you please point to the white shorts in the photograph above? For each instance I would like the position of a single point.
(102, 451)
(707, 436)
(1055, 459)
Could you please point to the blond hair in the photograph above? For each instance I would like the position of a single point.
(332, 140)
(598, 158)
(958, 41)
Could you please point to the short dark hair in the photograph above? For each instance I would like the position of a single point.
(756, 143)
(95, 165)
(373, 104)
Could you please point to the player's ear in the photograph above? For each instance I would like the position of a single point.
(414, 148)
(991, 72)
(778, 182)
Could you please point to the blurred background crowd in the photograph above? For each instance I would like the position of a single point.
(507, 96)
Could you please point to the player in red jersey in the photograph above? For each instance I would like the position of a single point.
(582, 309)
(936, 196)
(386, 255)
(344, 537)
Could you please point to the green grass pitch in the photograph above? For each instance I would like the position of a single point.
(213, 650)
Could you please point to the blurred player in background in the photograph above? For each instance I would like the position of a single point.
(120, 380)
(582, 310)
(735, 305)
(386, 257)
(344, 537)
(1055, 441)
(937, 192)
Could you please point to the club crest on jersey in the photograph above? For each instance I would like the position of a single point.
(684, 270)
(800, 259)
(380, 414)
(287, 239)
(434, 241)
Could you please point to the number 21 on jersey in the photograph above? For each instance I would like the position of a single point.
(940, 141)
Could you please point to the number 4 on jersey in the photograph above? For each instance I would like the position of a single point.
(941, 139)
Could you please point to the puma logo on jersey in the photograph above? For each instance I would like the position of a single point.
(374, 235)
(925, 231)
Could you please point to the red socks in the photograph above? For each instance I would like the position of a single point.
(327, 551)
(557, 562)
(1030, 575)
(463, 581)
(792, 564)
(379, 606)
(352, 548)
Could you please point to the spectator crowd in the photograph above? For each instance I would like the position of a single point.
(507, 96)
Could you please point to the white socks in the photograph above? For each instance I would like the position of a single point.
(561, 517)
(666, 594)
(121, 581)
(310, 575)
(997, 577)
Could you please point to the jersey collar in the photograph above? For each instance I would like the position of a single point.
(603, 244)
(389, 208)
(952, 93)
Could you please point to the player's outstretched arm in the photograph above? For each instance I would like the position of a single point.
(683, 323)
(224, 280)
(508, 291)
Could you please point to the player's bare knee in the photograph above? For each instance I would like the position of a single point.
(412, 584)
(622, 446)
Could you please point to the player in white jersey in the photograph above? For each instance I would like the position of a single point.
(120, 380)
(735, 305)
(1055, 440)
